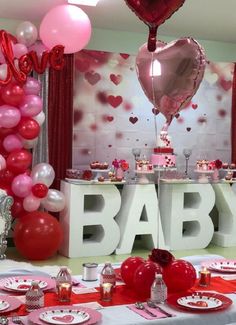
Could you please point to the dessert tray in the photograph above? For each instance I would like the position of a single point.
(221, 266)
(64, 316)
(199, 302)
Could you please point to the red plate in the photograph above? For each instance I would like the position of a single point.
(226, 302)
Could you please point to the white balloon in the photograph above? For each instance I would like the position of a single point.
(54, 202)
(40, 118)
(26, 33)
(43, 173)
(29, 144)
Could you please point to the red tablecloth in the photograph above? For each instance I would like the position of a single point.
(124, 295)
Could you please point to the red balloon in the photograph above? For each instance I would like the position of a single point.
(19, 161)
(28, 128)
(153, 13)
(17, 208)
(179, 276)
(12, 94)
(128, 267)
(6, 131)
(171, 75)
(39, 190)
(6, 177)
(37, 235)
(144, 277)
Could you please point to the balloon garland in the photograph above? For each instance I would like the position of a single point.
(37, 234)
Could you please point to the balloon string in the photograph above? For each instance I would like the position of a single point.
(153, 95)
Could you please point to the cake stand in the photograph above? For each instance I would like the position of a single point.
(100, 172)
(143, 176)
(203, 175)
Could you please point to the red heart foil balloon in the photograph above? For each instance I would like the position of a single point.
(172, 74)
(153, 13)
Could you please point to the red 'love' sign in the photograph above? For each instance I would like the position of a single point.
(29, 61)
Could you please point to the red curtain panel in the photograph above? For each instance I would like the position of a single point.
(60, 119)
(233, 118)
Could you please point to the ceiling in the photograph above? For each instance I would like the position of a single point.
(200, 19)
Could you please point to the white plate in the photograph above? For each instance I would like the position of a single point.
(4, 305)
(228, 266)
(199, 302)
(22, 285)
(64, 317)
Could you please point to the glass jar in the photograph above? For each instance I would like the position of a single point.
(64, 284)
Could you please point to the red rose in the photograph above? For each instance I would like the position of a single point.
(87, 175)
(218, 163)
(161, 256)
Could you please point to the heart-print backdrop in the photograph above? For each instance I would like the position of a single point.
(112, 115)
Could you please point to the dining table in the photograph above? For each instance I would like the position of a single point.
(121, 312)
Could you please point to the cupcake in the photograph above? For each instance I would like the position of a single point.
(232, 166)
(225, 165)
(94, 165)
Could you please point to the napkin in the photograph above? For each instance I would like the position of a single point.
(158, 314)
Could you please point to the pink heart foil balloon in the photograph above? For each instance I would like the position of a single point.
(172, 74)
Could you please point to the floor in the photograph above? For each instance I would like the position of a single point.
(76, 264)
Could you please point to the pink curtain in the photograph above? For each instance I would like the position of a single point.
(60, 119)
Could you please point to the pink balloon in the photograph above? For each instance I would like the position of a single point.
(12, 142)
(31, 106)
(21, 185)
(19, 50)
(2, 162)
(39, 48)
(172, 74)
(32, 86)
(9, 116)
(67, 25)
(31, 203)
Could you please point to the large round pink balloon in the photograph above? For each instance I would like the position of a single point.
(66, 25)
(172, 74)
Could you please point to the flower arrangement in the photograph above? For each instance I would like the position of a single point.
(161, 256)
(123, 164)
(218, 163)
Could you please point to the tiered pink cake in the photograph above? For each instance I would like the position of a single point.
(163, 155)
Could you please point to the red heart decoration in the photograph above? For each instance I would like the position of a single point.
(65, 319)
(124, 56)
(153, 13)
(114, 101)
(171, 75)
(225, 84)
(116, 79)
(92, 77)
(133, 120)
(198, 303)
(23, 286)
(194, 106)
